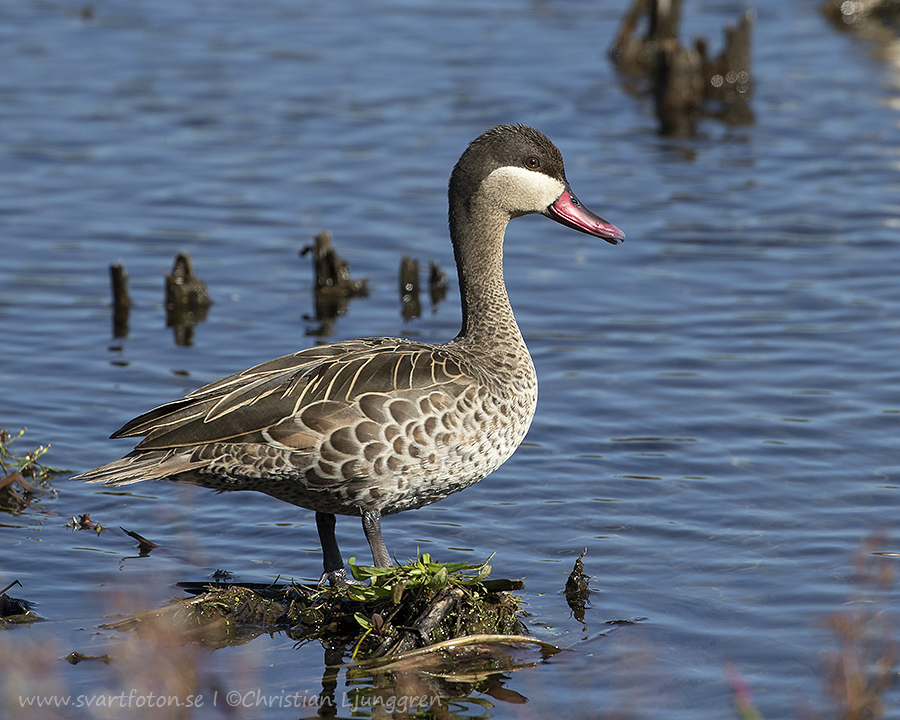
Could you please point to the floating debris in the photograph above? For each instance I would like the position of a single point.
(14, 611)
(144, 545)
(76, 657)
(687, 83)
(222, 617)
(121, 300)
(16, 477)
(84, 522)
(409, 288)
(334, 286)
(187, 300)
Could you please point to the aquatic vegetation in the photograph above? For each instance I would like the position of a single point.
(400, 609)
(863, 668)
(20, 473)
(26, 465)
(403, 607)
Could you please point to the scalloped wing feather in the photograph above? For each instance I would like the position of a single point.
(293, 400)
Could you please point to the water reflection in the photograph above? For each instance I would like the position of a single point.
(446, 678)
(437, 284)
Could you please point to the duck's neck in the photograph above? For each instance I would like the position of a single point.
(487, 317)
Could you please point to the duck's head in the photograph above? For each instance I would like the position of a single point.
(515, 170)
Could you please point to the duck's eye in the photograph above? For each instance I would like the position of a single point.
(532, 163)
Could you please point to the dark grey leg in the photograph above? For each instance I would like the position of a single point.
(330, 551)
(331, 554)
(371, 522)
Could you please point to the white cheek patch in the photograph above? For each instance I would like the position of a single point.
(518, 190)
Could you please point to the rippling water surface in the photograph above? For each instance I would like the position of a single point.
(720, 396)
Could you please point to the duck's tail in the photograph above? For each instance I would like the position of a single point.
(141, 465)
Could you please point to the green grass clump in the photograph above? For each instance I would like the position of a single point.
(421, 574)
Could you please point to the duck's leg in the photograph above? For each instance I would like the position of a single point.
(371, 522)
(331, 554)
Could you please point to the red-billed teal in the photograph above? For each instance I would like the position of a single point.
(377, 426)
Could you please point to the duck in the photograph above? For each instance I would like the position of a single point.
(377, 426)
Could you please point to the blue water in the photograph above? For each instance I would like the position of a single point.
(719, 397)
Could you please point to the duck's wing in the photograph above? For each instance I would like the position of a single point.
(292, 400)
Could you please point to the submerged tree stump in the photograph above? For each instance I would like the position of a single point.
(409, 288)
(187, 300)
(437, 284)
(686, 83)
(871, 20)
(333, 285)
(121, 300)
